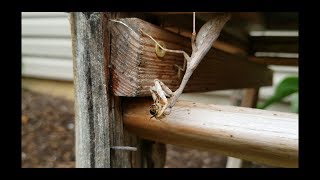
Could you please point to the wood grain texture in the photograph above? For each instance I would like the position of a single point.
(149, 154)
(118, 158)
(236, 99)
(245, 98)
(91, 98)
(135, 64)
(267, 137)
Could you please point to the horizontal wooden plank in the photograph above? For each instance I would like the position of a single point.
(47, 47)
(275, 61)
(280, 72)
(229, 34)
(46, 27)
(43, 14)
(239, 21)
(135, 64)
(47, 68)
(221, 45)
(286, 44)
(267, 137)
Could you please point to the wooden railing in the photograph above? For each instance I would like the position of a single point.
(111, 130)
(262, 136)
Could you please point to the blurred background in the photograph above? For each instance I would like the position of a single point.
(47, 94)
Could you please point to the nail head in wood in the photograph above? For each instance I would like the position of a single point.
(126, 148)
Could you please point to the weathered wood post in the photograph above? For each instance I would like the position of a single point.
(91, 91)
(101, 140)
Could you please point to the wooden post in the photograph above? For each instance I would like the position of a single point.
(250, 97)
(101, 139)
(91, 97)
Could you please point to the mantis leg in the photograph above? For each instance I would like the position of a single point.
(183, 68)
(165, 88)
(153, 94)
(167, 92)
(160, 91)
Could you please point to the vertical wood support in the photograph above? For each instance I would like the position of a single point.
(250, 97)
(98, 113)
(119, 158)
(91, 97)
(245, 98)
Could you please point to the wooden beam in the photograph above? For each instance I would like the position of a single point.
(148, 154)
(220, 45)
(241, 21)
(135, 64)
(262, 136)
(235, 36)
(285, 44)
(274, 61)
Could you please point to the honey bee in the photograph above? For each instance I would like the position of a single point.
(159, 109)
(153, 110)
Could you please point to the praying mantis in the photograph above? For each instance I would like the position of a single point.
(201, 44)
(164, 99)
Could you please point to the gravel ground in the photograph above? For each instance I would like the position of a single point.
(47, 131)
(48, 137)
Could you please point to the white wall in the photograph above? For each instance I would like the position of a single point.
(46, 45)
(47, 53)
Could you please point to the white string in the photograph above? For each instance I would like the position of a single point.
(194, 22)
(123, 24)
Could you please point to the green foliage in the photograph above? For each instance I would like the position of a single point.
(288, 86)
